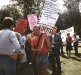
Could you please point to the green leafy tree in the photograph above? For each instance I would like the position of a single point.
(72, 17)
(30, 6)
(9, 11)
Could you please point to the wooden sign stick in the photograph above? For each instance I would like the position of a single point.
(44, 37)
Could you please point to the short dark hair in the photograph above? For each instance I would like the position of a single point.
(36, 27)
(55, 27)
(7, 22)
(68, 34)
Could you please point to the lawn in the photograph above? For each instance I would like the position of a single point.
(70, 66)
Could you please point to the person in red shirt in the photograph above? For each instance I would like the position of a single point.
(40, 45)
(68, 44)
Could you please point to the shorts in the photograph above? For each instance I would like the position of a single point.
(42, 60)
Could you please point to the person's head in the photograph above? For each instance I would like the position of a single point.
(74, 35)
(36, 30)
(7, 22)
(54, 30)
(59, 33)
(68, 34)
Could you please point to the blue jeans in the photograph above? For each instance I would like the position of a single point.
(7, 66)
(42, 60)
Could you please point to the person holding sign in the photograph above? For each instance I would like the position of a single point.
(56, 42)
(41, 52)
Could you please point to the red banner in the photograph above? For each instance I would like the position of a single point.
(21, 25)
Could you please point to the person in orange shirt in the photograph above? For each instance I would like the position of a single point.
(40, 45)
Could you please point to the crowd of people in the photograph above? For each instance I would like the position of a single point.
(32, 48)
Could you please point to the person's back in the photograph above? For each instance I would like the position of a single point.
(8, 43)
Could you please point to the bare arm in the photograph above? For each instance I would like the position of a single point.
(33, 49)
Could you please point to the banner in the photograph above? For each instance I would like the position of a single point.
(65, 32)
(21, 25)
(49, 13)
(32, 19)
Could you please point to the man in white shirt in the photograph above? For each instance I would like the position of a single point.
(75, 43)
(8, 43)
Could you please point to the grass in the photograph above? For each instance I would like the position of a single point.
(70, 66)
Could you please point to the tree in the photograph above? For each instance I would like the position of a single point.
(9, 11)
(30, 6)
(73, 16)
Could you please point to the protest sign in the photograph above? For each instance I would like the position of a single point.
(32, 19)
(65, 32)
(49, 13)
(21, 25)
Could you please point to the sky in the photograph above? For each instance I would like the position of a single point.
(61, 7)
(4, 2)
